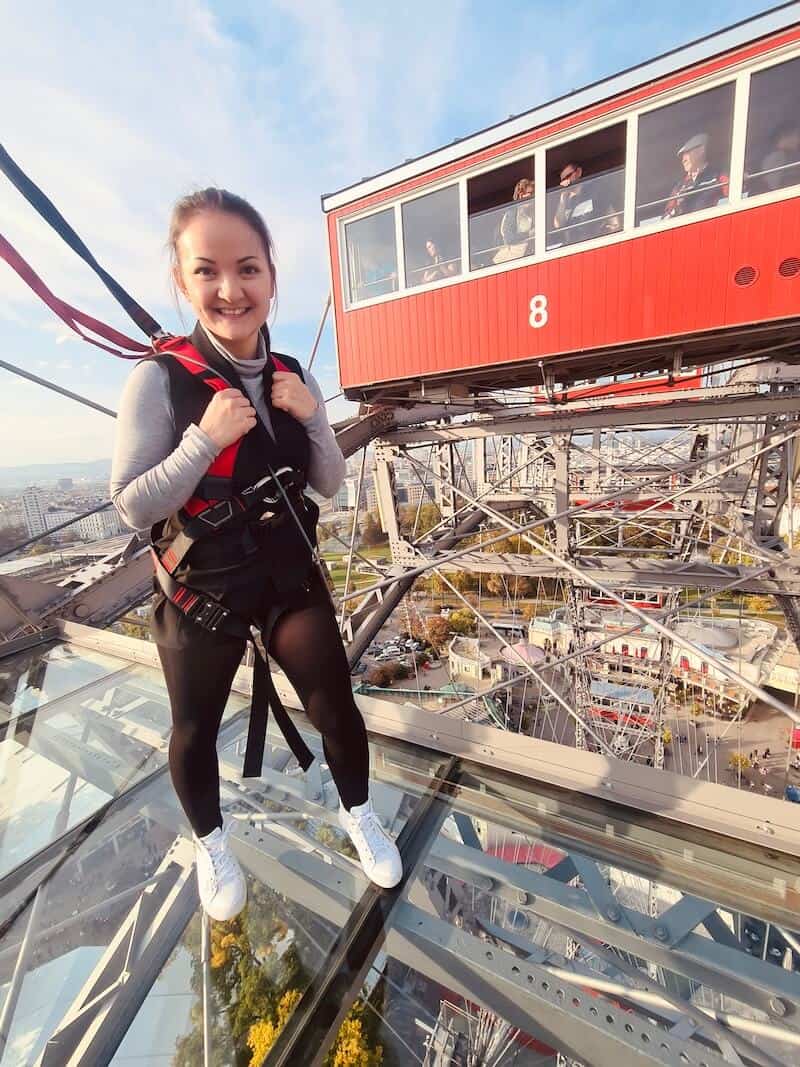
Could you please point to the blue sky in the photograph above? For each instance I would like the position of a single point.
(116, 110)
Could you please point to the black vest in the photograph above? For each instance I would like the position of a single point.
(236, 555)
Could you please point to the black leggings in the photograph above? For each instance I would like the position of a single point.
(306, 643)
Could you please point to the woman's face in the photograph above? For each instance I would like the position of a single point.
(224, 274)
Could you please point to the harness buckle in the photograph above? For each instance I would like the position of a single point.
(217, 515)
(266, 498)
(208, 614)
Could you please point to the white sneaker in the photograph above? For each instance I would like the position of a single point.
(376, 850)
(220, 880)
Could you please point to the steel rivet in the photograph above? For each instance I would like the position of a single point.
(661, 932)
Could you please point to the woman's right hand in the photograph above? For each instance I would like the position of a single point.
(229, 416)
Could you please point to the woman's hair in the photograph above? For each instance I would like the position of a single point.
(213, 199)
(523, 189)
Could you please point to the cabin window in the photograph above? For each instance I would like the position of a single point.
(371, 256)
(431, 237)
(772, 152)
(684, 156)
(500, 205)
(586, 187)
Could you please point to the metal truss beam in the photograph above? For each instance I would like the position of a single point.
(367, 620)
(641, 573)
(678, 410)
(96, 1022)
(667, 941)
(497, 979)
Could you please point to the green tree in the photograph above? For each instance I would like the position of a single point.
(462, 622)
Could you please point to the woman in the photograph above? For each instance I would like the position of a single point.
(516, 225)
(226, 402)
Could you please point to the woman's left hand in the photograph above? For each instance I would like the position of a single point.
(290, 394)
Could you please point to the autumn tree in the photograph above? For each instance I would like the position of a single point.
(437, 631)
(495, 584)
(759, 605)
(379, 676)
(371, 533)
(428, 517)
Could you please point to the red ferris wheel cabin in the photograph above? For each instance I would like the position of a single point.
(647, 222)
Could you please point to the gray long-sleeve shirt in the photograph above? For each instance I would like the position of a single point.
(151, 478)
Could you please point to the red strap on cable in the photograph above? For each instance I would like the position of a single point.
(69, 315)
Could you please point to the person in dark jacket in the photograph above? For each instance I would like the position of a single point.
(261, 570)
(702, 185)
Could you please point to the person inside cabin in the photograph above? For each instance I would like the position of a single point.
(781, 165)
(583, 210)
(439, 266)
(702, 185)
(516, 225)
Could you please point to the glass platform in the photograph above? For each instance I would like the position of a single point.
(535, 925)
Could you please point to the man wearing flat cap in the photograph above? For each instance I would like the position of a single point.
(701, 186)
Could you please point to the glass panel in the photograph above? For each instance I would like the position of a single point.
(501, 214)
(431, 237)
(684, 156)
(772, 155)
(303, 882)
(586, 187)
(525, 904)
(30, 679)
(72, 755)
(371, 256)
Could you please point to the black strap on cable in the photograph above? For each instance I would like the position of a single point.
(50, 213)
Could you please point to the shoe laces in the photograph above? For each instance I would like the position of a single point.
(223, 863)
(371, 832)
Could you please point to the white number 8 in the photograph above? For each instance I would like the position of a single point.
(538, 315)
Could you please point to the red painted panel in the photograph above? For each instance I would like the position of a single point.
(652, 286)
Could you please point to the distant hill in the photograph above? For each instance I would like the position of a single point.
(48, 473)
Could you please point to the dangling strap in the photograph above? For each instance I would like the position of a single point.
(265, 696)
(50, 213)
(71, 316)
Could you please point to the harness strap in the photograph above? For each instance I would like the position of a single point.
(213, 616)
(50, 213)
(69, 315)
(265, 696)
(217, 483)
(262, 501)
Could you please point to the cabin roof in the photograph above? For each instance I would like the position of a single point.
(772, 21)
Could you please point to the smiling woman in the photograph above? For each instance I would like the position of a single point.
(218, 436)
